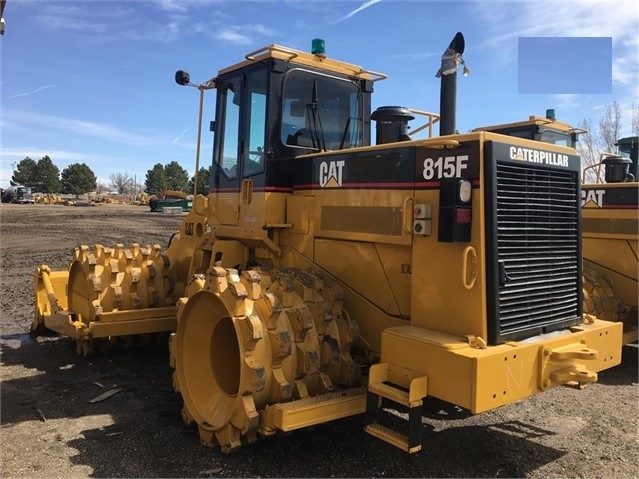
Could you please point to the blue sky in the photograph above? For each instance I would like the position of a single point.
(561, 64)
(93, 81)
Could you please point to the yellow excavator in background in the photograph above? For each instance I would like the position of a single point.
(323, 274)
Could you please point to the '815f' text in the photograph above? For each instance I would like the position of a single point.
(445, 167)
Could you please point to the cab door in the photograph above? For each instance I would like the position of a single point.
(225, 187)
(240, 147)
(252, 199)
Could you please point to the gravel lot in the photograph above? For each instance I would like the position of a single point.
(49, 428)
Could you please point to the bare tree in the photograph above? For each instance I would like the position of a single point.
(603, 139)
(588, 148)
(121, 182)
(101, 188)
(610, 127)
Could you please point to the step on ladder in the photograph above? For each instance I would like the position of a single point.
(405, 387)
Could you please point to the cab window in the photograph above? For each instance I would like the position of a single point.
(556, 137)
(253, 158)
(320, 112)
(229, 97)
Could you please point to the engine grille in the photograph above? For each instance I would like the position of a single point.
(538, 274)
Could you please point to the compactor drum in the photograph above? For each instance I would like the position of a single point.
(322, 275)
(244, 342)
(109, 293)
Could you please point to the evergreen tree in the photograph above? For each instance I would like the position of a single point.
(177, 178)
(26, 173)
(48, 176)
(203, 182)
(78, 179)
(155, 182)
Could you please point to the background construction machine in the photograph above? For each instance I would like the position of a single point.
(610, 215)
(610, 211)
(170, 199)
(323, 275)
(545, 129)
(17, 194)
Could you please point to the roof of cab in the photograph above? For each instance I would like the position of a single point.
(304, 58)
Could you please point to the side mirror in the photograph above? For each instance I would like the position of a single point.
(182, 77)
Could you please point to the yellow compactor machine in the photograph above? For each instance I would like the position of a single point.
(610, 220)
(610, 211)
(323, 274)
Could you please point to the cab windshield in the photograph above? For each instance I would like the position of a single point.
(556, 137)
(624, 150)
(320, 112)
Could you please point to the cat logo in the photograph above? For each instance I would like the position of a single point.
(592, 198)
(331, 174)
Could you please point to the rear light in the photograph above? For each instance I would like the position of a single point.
(462, 215)
(455, 210)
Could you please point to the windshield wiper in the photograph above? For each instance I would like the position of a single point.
(317, 132)
(346, 128)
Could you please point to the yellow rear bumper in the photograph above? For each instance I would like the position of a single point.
(483, 379)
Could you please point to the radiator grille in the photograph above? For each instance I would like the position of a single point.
(537, 218)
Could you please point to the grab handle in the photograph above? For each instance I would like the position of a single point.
(469, 254)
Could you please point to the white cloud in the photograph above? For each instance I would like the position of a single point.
(506, 21)
(417, 56)
(172, 5)
(44, 87)
(184, 5)
(260, 30)
(363, 6)
(17, 154)
(77, 17)
(150, 144)
(179, 137)
(243, 34)
(233, 36)
(61, 158)
(503, 23)
(168, 20)
(77, 127)
(103, 166)
(108, 20)
(627, 110)
(622, 71)
(566, 101)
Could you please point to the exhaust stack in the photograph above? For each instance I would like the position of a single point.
(451, 59)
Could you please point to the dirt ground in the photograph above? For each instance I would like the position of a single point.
(49, 429)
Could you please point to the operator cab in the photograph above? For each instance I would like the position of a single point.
(629, 148)
(282, 103)
(546, 130)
